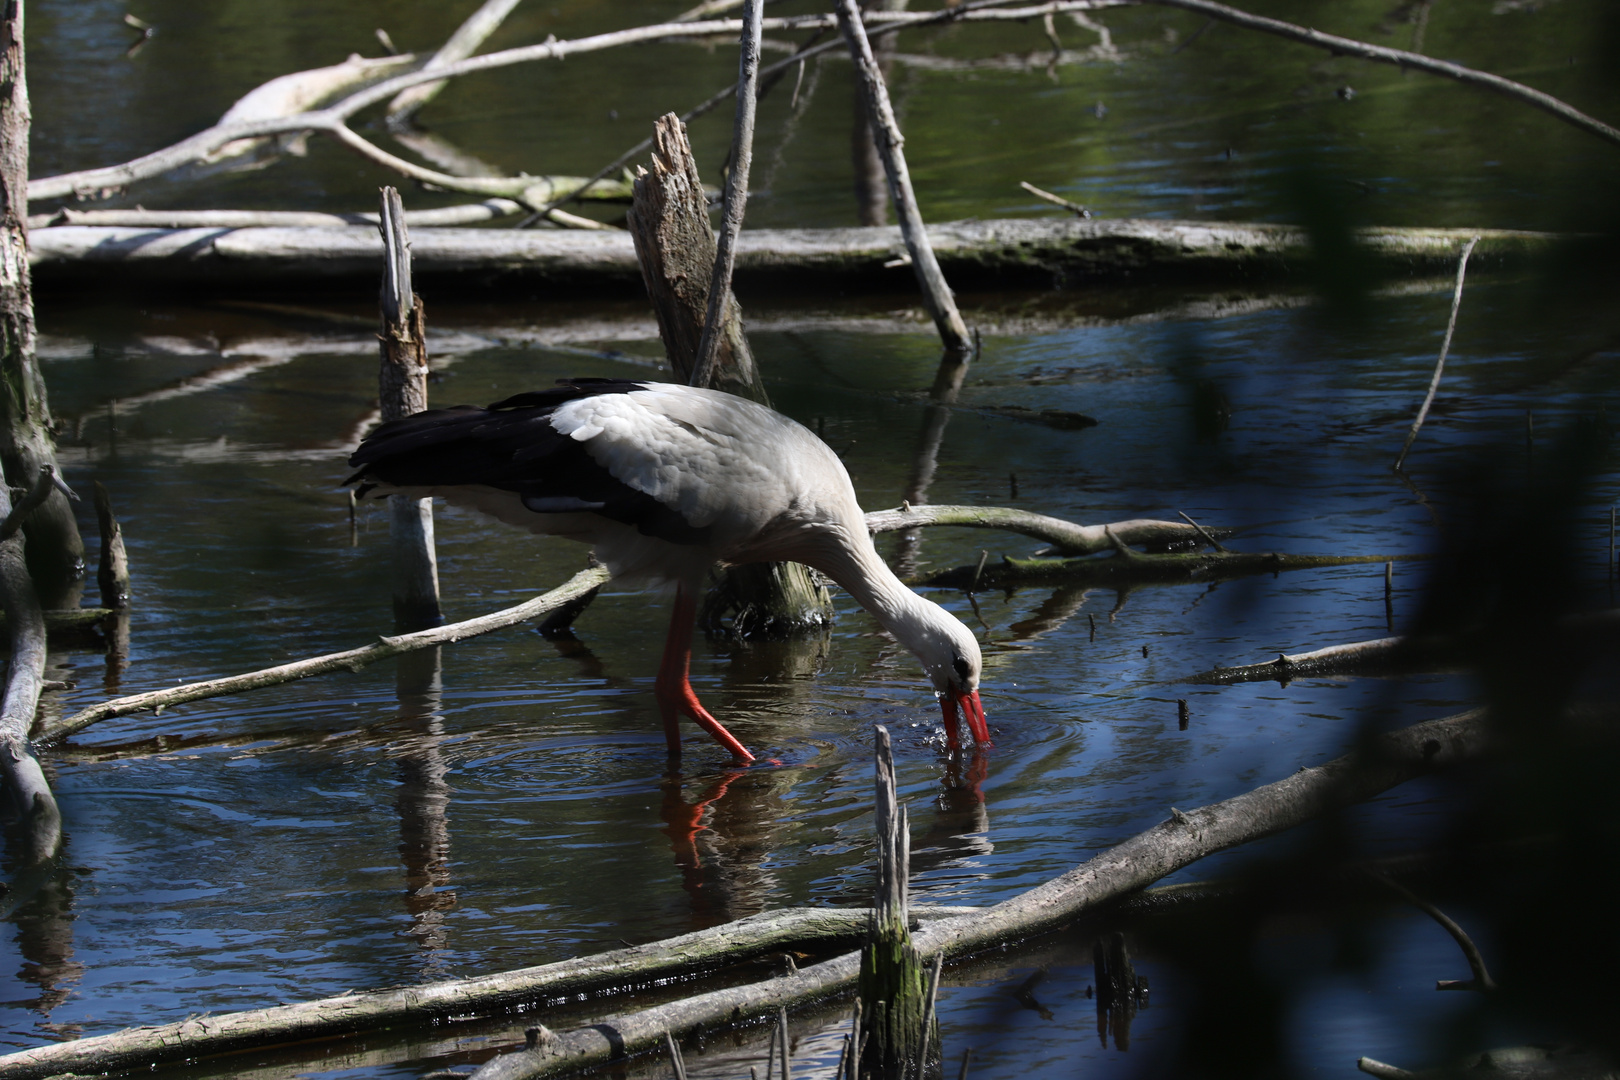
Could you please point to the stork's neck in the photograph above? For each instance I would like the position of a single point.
(856, 566)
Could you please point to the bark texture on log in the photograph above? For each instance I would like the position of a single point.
(55, 552)
(900, 1040)
(674, 242)
(1039, 252)
(1185, 837)
(757, 935)
(402, 391)
(27, 797)
(1139, 861)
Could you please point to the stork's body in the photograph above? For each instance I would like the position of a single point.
(663, 481)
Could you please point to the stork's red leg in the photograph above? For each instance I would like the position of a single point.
(674, 687)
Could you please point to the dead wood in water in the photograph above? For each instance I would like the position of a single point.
(734, 205)
(463, 43)
(617, 972)
(1012, 251)
(402, 392)
(886, 135)
(674, 247)
(348, 660)
(1066, 537)
(1403, 654)
(333, 118)
(26, 794)
(1128, 567)
(1185, 837)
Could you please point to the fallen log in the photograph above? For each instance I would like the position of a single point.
(605, 974)
(1388, 760)
(1128, 567)
(1184, 838)
(1015, 251)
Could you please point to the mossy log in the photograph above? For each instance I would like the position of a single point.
(1036, 251)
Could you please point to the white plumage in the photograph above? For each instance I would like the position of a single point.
(663, 481)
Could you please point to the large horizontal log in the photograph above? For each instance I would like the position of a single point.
(613, 972)
(1022, 251)
(1136, 862)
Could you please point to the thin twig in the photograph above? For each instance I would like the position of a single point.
(1476, 963)
(742, 159)
(930, 1022)
(349, 660)
(675, 1055)
(1445, 347)
(781, 1014)
(200, 145)
(1208, 539)
(1051, 198)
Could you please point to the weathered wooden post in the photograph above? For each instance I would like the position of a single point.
(897, 1026)
(402, 390)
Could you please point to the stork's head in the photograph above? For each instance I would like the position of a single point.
(950, 654)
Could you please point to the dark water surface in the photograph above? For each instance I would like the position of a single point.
(275, 846)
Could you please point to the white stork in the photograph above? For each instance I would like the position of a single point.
(664, 481)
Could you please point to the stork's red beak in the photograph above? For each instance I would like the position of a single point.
(969, 705)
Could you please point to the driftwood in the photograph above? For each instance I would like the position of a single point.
(55, 552)
(1066, 537)
(333, 118)
(674, 248)
(1129, 567)
(468, 214)
(1184, 838)
(617, 972)
(402, 391)
(1033, 251)
(349, 660)
(897, 1036)
(889, 142)
(1396, 655)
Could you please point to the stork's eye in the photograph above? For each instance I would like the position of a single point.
(964, 670)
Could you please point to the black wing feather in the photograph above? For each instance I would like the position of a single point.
(512, 446)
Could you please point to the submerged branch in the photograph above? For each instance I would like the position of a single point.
(349, 660)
